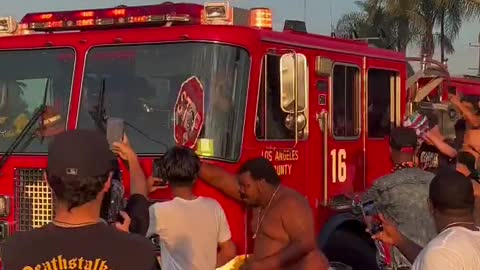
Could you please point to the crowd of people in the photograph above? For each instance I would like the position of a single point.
(193, 230)
(430, 213)
(437, 213)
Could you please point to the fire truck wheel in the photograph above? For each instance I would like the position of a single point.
(351, 249)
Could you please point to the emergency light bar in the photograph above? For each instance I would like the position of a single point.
(180, 13)
(113, 17)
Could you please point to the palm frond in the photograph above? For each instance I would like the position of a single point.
(350, 23)
(471, 8)
(447, 43)
(453, 21)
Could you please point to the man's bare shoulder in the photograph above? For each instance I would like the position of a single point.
(292, 199)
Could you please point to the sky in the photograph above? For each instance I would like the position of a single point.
(319, 16)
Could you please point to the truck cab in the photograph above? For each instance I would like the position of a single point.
(319, 108)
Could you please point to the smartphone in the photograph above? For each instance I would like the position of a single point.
(371, 217)
(115, 130)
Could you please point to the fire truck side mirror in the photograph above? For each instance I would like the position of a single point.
(293, 82)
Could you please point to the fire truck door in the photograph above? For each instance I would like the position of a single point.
(383, 112)
(344, 149)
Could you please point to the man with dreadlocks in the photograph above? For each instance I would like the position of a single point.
(401, 195)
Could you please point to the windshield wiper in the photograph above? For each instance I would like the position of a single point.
(36, 115)
(98, 112)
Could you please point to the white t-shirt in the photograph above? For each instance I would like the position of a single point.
(189, 232)
(456, 248)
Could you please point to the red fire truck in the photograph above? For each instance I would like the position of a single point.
(320, 108)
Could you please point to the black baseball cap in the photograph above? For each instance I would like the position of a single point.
(403, 139)
(451, 190)
(80, 153)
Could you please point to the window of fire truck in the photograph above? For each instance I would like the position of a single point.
(346, 101)
(25, 75)
(270, 124)
(382, 87)
(142, 83)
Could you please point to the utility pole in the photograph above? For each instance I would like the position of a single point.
(442, 36)
(477, 45)
(305, 11)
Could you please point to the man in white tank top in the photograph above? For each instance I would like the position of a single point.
(457, 245)
(191, 228)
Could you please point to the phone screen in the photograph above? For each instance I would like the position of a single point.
(115, 130)
(371, 217)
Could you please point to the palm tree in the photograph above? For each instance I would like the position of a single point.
(424, 16)
(403, 22)
(372, 21)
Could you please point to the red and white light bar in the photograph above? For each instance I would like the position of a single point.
(113, 17)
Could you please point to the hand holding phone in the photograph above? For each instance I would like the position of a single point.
(371, 217)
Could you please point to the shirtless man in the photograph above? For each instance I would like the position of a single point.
(471, 146)
(282, 224)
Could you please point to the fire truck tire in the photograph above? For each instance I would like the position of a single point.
(351, 249)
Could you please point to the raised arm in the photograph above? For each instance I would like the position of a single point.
(439, 141)
(467, 112)
(220, 179)
(138, 181)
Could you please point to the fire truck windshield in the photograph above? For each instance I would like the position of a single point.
(140, 83)
(29, 78)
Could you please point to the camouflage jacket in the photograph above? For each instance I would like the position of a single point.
(402, 197)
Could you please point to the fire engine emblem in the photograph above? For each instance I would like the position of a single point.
(189, 112)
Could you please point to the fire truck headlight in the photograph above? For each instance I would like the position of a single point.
(4, 206)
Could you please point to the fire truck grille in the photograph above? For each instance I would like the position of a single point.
(33, 200)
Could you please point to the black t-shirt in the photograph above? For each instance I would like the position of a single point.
(94, 247)
(431, 159)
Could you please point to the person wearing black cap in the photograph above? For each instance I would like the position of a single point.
(401, 194)
(79, 173)
(403, 142)
(457, 244)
